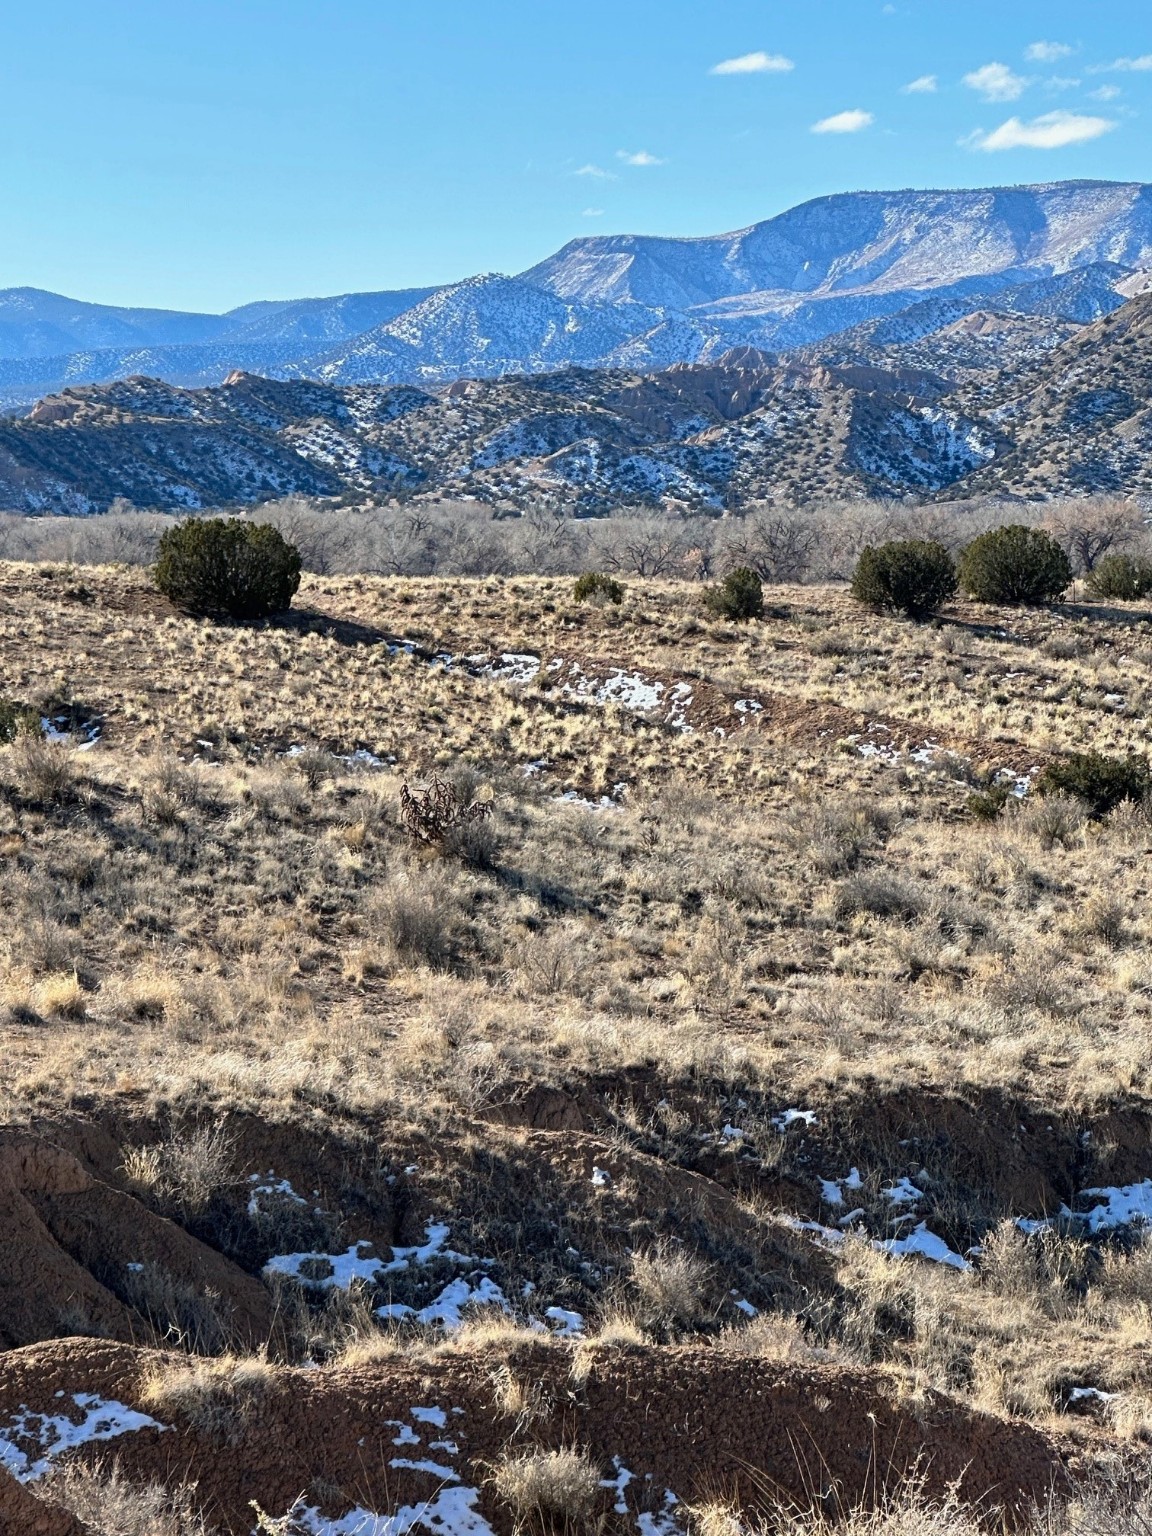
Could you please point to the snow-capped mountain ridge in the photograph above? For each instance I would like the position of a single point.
(1060, 250)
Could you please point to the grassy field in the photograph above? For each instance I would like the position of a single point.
(676, 925)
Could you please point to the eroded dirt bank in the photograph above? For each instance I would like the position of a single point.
(686, 1424)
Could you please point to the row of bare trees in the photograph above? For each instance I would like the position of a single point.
(818, 543)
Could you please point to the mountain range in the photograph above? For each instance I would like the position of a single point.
(901, 343)
(1060, 251)
(748, 427)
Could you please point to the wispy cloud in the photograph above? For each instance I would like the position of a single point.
(759, 63)
(1048, 53)
(1106, 93)
(1140, 65)
(638, 157)
(593, 213)
(844, 122)
(1055, 130)
(597, 172)
(996, 82)
(923, 85)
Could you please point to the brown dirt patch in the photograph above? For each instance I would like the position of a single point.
(68, 1239)
(696, 1421)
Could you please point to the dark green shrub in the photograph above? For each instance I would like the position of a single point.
(912, 576)
(988, 804)
(1101, 782)
(221, 565)
(1123, 577)
(739, 596)
(1014, 565)
(594, 586)
(17, 720)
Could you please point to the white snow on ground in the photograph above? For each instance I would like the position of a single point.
(1126, 1205)
(832, 1190)
(58, 729)
(902, 1192)
(434, 1416)
(564, 1323)
(433, 1468)
(789, 1117)
(30, 1442)
(511, 667)
(340, 1269)
(926, 1244)
(269, 1185)
(327, 1270)
(664, 1523)
(448, 1308)
(1079, 1394)
(452, 1512)
(619, 1483)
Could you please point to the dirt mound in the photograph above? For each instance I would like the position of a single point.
(79, 1256)
(664, 1425)
(23, 1514)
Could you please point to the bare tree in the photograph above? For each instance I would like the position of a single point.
(1090, 528)
(778, 546)
(643, 546)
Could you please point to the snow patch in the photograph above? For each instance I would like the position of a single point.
(31, 1442)
(925, 1243)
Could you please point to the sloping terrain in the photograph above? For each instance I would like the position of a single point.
(881, 241)
(1069, 250)
(328, 1441)
(745, 428)
(1081, 421)
(729, 1105)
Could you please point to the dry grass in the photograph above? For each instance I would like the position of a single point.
(109, 1504)
(199, 925)
(215, 1398)
(553, 1491)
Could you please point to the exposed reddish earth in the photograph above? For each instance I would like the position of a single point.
(695, 1421)
(63, 1229)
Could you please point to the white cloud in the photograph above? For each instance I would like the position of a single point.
(1048, 53)
(754, 64)
(844, 122)
(597, 172)
(638, 157)
(1055, 130)
(996, 82)
(593, 213)
(1106, 93)
(1140, 65)
(923, 85)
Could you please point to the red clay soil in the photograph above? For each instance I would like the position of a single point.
(699, 1422)
(67, 1238)
(23, 1514)
(805, 721)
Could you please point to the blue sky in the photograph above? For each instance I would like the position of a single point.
(200, 156)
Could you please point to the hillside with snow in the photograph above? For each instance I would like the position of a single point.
(1062, 252)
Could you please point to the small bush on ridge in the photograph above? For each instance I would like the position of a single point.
(739, 596)
(17, 720)
(1101, 782)
(594, 586)
(220, 565)
(912, 576)
(1124, 577)
(1014, 565)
